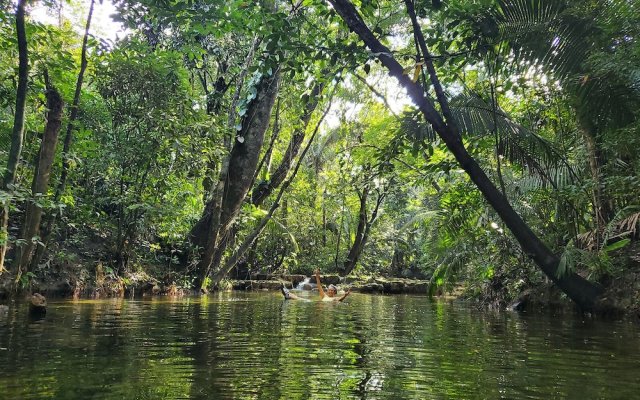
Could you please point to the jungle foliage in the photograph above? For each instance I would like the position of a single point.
(222, 138)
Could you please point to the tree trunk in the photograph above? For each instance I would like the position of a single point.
(601, 210)
(17, 134)
(40, 182)
(358, 243)
(243, 161)
(73, 116)
(251, 238)
(583, 292)
(324, 220)
(279, 175)
(50, 222)
(264, 167)
(205, 230)
(362, 232)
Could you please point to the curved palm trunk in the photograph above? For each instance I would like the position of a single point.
(47, 153)
(17, 134)
(583, 292)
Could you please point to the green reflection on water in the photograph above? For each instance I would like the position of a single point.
(257, 346)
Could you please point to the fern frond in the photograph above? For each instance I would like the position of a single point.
(542, 34)
(516, 143)
(414, 127)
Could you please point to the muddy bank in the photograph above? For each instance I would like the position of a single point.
(141, 284)
(131, 285)
(361, 285)
(544, 298)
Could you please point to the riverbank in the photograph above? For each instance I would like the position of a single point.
(621, 296)
(142, 284)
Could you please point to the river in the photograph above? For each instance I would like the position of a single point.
(238, 345)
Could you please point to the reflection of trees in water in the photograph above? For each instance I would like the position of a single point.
(200, 349)
(256, 345)
(235, 347)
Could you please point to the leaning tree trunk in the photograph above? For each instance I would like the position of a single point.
(17, 134)
(251, 238)
(243, 161)
(265, 188)
(358, 243)
(73, 116)
(264, 166)
(583, 292)
(50, 222)
(47, 152)
(263, 191)
(213, 198)
(362, 232)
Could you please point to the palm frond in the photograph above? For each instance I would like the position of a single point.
(414, 127)
(540, 32)
(562, 42)
(287, 232)
(626, 224)
(559, 176)
(418, 218)
(516, 143)
(607, 101)
(451, 265)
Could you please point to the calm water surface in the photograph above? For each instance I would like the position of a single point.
(257, 346)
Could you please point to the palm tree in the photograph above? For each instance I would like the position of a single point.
(595, 59)
(579, 289)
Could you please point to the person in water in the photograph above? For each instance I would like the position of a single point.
(329, 295)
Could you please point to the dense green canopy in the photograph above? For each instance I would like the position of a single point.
(219, 138)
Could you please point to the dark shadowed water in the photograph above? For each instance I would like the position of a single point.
(257, 346)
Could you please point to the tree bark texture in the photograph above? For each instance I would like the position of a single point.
(17, 134)
(40, 185)
(583, 292)
(279, 175)
(50, 222)
(243, 161)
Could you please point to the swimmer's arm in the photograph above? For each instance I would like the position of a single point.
(319, 284)
(344, 296)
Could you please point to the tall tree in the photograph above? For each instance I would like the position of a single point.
(49, 222)
(33, 215)
(17, 134)
(364, 227)
(236, 178)
(264, 189)
(251, 238)
(583, 292)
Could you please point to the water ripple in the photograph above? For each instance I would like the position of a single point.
(256, 345)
